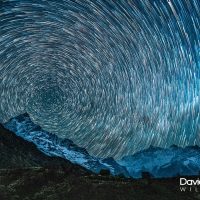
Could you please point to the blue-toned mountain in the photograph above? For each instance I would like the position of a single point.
(160, 162)
(52, 145)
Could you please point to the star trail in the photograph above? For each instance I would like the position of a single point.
(113, 76)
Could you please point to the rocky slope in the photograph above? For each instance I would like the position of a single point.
(18, 153)
(51, 145)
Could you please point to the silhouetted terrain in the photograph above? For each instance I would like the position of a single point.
(26, 173)
(52, 145)
(48, 184)
(18, 153)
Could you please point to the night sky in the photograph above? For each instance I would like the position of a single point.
(113, 76)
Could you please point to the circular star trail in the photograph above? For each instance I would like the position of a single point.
(113, 76)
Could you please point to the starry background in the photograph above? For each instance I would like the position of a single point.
(114, 76)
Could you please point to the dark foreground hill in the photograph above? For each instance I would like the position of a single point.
(28, 174)
(18, 153)
(51, 184)
(52, 145)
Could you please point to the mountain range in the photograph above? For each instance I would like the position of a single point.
(52, 145)
(169, 162)
(160, 162)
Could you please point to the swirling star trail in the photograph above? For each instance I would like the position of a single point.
(113, 76)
